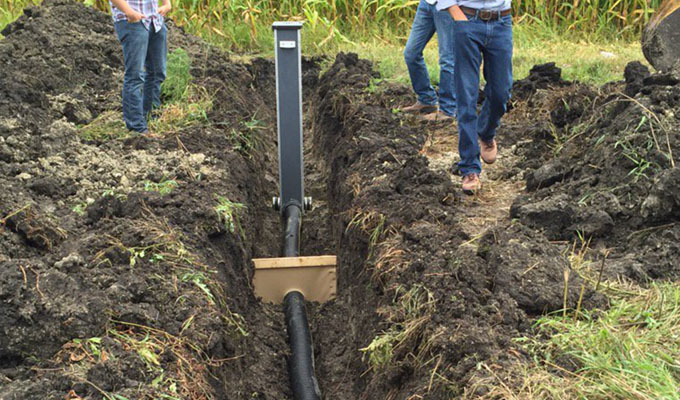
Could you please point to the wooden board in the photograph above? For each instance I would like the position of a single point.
(294, 262)
(314, 277)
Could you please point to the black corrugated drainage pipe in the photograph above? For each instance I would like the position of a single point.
(301, 361)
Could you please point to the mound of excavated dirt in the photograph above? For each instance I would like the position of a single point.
(614, 179)
(107, 288)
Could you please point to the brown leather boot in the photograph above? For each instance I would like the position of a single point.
(437, 116)
(419, 108)
(489, 151)
(471, 183)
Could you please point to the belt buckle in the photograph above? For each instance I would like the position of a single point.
(485, 15)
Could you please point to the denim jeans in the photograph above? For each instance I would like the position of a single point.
(492, 42)
(426, 22)
(144, 54)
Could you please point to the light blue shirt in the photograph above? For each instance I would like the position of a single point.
(491, 5)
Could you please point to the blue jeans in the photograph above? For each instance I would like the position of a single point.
(426, 22)
(144, 53)
(492, 42)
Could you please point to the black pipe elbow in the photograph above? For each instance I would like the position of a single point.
(292, 221)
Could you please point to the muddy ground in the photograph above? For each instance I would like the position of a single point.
(111, 289)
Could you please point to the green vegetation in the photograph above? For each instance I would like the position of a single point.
(176, 85)
(108, 125)
(183, 102)
(630, 351)
(245, 138)
(228, 214)
(244, 24)
(590, 40)
(165, 186)
(404, 336)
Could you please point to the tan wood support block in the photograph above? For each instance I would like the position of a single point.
(314, 277)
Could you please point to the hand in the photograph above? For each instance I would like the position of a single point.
(457, 14)
(164, 9)
(135, 16)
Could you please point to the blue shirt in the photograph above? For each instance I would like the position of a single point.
(491, 5)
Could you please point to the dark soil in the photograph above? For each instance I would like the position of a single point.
(146, 275)
(108, 289)
(614, 181)
(400, 237)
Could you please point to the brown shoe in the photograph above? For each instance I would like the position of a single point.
(437, 116)
(419, 108)
(489, 151)
(471, 183)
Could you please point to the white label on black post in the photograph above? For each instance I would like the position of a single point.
(287, 44)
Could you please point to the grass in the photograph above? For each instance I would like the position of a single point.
(106, 126)
(400, 342)
(589, 61)
(176, 85)
(630, 351)
(246, 137)
(184, 104)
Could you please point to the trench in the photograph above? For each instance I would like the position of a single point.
(436, 283)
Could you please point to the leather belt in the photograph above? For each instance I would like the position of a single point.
(485, 15)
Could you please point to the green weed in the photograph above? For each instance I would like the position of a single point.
(165, 186)
(246, 140)
(637, 157)
(193, 109)
(199, 279)
(228, 214)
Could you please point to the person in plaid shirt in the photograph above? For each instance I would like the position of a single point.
(142, 33)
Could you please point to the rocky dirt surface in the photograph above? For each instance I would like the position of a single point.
(112, 288)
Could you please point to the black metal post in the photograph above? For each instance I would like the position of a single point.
(291, 201)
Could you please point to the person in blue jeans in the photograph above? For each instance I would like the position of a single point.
(427, 21)
(482, 31)
(142, 33)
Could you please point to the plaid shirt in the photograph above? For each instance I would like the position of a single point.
(146, 7)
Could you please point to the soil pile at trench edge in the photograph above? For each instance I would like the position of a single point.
(109, 288)
(614, 179)
(424, 305)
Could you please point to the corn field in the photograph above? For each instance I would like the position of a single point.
(384, 17)
(245, 24)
